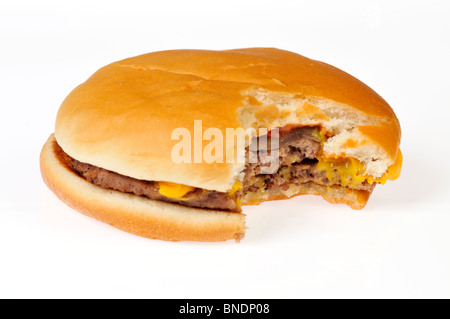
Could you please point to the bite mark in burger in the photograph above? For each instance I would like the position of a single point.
(110, 156)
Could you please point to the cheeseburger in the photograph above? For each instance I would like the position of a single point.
(171, 145)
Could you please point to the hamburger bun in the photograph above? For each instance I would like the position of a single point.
(123, 117)
(135, 214)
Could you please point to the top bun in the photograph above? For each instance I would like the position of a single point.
(122, 117)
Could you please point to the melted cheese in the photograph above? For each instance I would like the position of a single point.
(174, 190)
(350, 171)
(394, 169)
(237, 186)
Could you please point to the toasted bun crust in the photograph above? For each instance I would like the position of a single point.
(134, 214)
(122, 118)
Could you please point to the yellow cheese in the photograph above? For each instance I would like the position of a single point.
(320, 134)
(236, 187)
(394, 169)
(350, 171)
(392, 173)
(174, 190)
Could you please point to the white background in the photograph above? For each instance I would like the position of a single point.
(397, 247)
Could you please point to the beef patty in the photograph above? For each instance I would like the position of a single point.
(111, 180)
(297, 157)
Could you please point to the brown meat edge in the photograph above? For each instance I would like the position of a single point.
(309, 181)
(134, 214)
(111, 180)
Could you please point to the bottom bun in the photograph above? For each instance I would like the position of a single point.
(136, 214)
(354, 198)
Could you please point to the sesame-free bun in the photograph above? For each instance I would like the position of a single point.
(123, 116)
(123, 119)
(136, 214)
